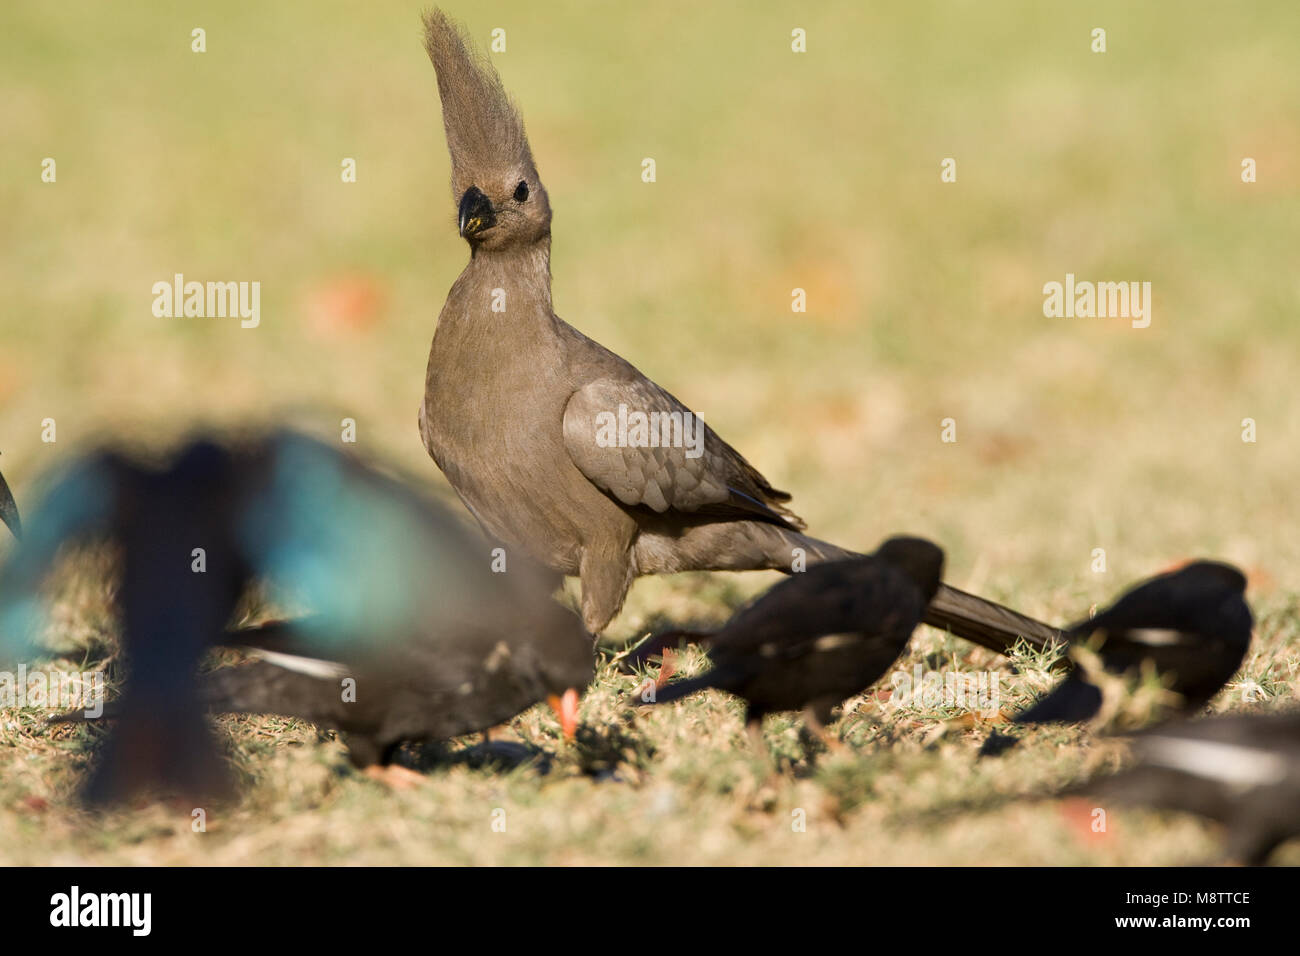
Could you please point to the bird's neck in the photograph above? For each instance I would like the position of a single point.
(521, 273)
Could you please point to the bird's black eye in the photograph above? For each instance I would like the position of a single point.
(521, 192)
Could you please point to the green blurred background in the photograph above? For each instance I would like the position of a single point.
(775, 170)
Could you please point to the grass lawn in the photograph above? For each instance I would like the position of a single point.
(775, 171)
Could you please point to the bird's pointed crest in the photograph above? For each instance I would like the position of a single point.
(485, 135)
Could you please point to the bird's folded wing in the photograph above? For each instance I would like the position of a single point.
(639, 444)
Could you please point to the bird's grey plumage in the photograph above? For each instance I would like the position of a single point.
(514, 395)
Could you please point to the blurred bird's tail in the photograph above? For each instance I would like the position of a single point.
(637, 656)
(996, 744)
(986, 623)
(815, 550)
(290, 677)
(677, 689)
(1074, 701)
(160, 754)
(272, 687)
(967, 616)
(276, 685)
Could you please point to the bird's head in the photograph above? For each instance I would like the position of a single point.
(1213, 575)
(919, 559)
(499, 196)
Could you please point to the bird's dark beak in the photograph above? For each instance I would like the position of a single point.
(9, 510)
(566, 709)
(476, 213)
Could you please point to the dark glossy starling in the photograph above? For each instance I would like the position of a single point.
(1192, 624)
(182, 574)
(1241, 770)
(821, 637)
(437, 678)
(418, 627)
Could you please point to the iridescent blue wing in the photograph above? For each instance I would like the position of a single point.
(81, 504)
(371, 559)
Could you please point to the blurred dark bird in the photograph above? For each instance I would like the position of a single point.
(561, 447)
(182, 574)
(1192, 624)
(821, 637)
(1241, 770)
(9, 510)
(406, 604)
(438, 633)
(479, 655)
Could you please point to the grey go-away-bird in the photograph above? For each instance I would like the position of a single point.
(536, 426)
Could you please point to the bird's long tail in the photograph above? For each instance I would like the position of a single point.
(987, 623)
(174, 754)
(1073, 702)
(158, 753)
(639, 655)
(269, 687)
(815, 551)
(967, 616)
(260, 687)
(678, 689)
